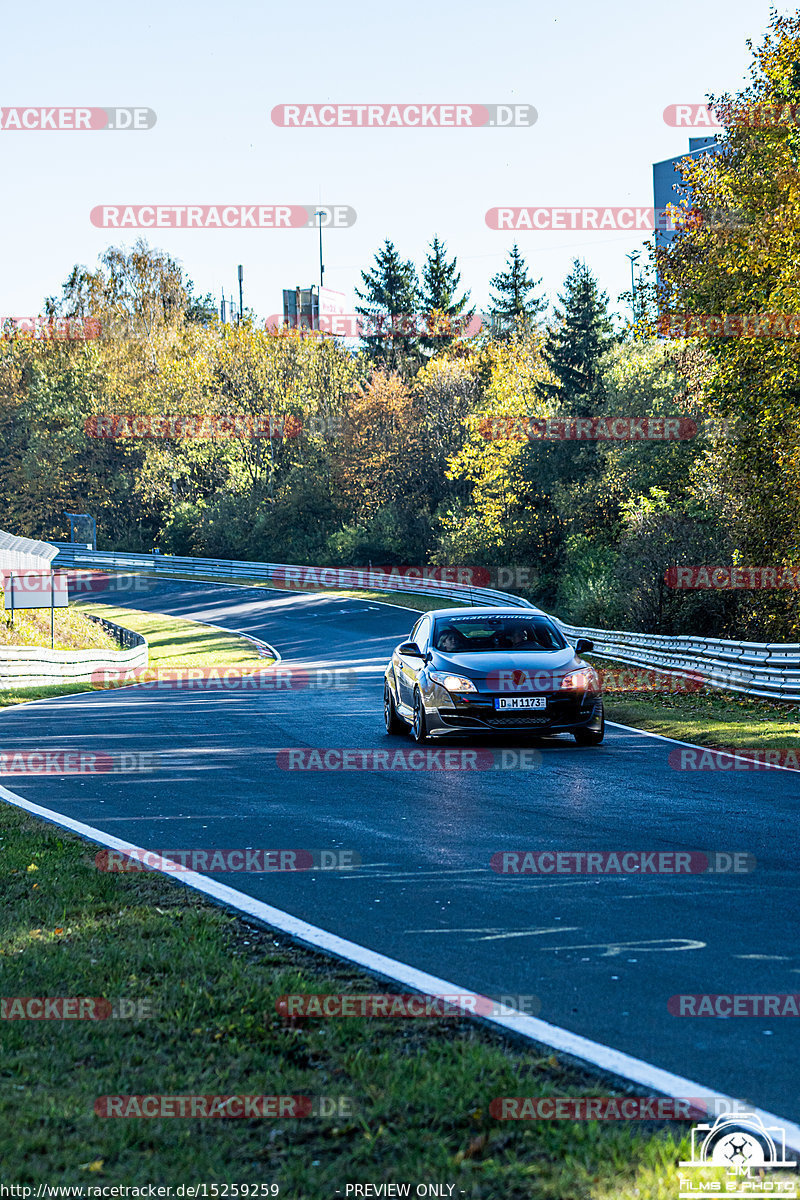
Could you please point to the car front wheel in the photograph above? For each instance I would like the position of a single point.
(391, 720)
(419, 728)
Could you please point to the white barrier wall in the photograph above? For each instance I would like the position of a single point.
(20, 553)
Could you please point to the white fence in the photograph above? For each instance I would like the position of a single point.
(31, 666)
(20, 553)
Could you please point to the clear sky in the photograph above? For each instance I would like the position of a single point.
(599, 75)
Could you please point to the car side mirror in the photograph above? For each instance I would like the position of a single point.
(583, 646)
(410, 650)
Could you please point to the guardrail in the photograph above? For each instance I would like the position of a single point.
(72, 555)
(768, 670)
(31, 666)
(126, 637)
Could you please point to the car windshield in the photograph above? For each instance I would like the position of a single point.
(460, 635)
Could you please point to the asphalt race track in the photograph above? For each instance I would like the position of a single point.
(603, 954)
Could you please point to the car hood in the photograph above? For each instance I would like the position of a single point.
(478, 666)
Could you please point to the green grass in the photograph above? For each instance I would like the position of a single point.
(172, 641)
(72, 630)
(421, 1089)
(708, 717)
(177, 642)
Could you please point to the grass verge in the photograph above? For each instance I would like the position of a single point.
(709, 717)
(71, 629)
(173, 642)
(420, 1089)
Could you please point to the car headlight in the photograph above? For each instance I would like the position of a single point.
(453, 683)
(585, 679)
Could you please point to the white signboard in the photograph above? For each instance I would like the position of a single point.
(34, 589)
(331, 303)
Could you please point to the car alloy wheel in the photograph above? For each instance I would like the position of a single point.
(390, 718)
(419, 729)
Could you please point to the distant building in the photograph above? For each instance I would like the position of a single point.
(303, 307)
(665, 179)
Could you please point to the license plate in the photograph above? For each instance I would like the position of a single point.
(515, 702)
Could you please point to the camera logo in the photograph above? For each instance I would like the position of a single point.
(741, 1143)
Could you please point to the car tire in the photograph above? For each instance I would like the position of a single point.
(419, 729)
(590, 737)
(391, 720)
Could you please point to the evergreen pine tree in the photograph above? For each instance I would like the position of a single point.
(577, 342)
(512, 287)
(391, 290)
(440, 283)
(441, 280)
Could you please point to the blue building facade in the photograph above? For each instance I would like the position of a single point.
(666, 178)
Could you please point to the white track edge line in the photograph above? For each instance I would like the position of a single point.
(616, 1062)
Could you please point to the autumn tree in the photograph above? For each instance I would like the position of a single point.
(739, 260)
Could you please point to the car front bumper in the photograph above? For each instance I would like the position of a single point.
(476, 714)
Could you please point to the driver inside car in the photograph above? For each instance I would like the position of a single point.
(447, 641)
(520, 636)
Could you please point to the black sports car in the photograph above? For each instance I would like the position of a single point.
(491, 670)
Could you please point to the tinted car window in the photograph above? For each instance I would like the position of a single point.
(500, 633)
